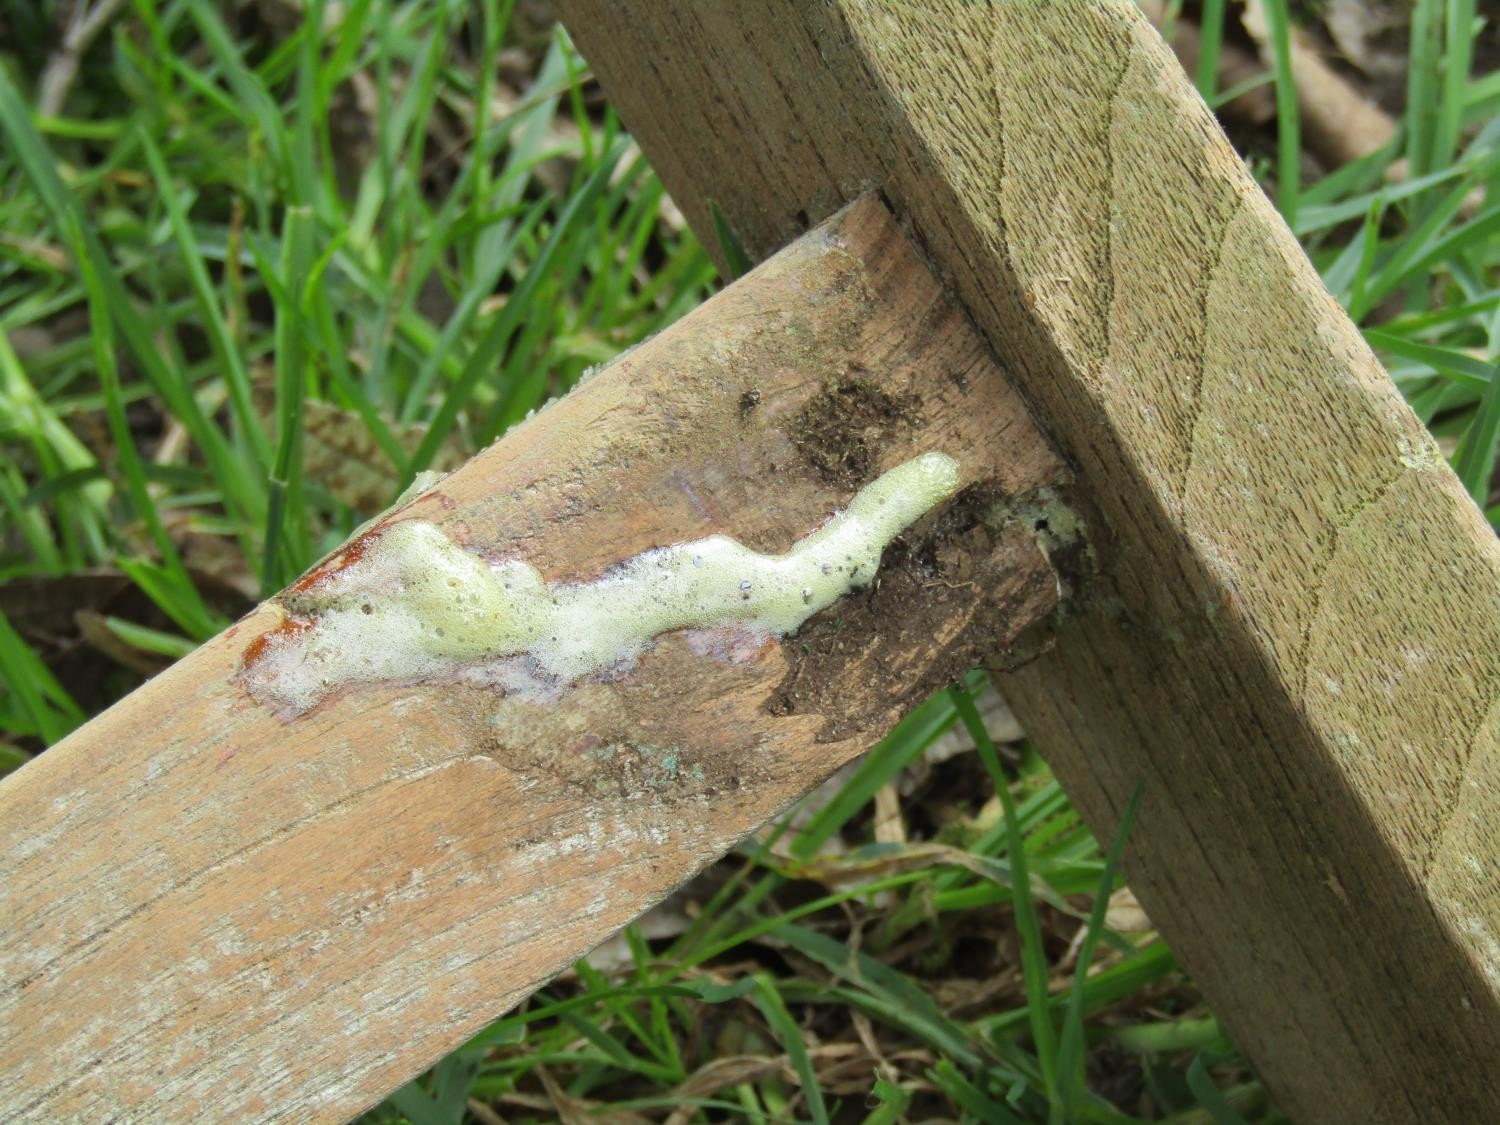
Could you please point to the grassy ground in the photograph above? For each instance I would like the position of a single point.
(260, 264)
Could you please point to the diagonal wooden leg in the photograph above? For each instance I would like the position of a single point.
(1300, 653)
(225, 901)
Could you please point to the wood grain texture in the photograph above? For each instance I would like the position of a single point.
(207, 912)
(1296, 639)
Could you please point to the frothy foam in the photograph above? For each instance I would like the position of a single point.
(415, 606)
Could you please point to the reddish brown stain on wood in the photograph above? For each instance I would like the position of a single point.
(341, 561)
(284, 630)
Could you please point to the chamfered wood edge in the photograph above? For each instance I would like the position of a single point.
(1298, 640)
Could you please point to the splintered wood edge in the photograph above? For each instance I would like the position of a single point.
(210, 910)
(1297, 638)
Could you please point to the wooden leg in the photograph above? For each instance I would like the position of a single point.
(217, 905)
(1296, 642)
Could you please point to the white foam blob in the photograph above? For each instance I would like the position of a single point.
(415, 606)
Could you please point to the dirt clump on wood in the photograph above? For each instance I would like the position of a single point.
(959, 580)
(839, 431)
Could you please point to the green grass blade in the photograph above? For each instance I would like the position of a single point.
(1240, 89)
(481, 287)
(45, 557)
(493, 343)
(1458, 26)
(736, 258)
(1172, 1035)
(1314, 218)
(419, 1107)
(1070, 1057)
(1365, 174)
(67, 466)
(30, 682)
(1288, 119)
(285, 555)
(226, 350)
(505, 1029)
(974, 1101)
(1140, 970)
(1423, 99)
(884, 992)
(529, 135)
(1455, 365)
(891, 1103)
(1349, 277)
(150, 640)
(180, 597)
(1474, 460)
(452, 1079)
(309, 146)
(1211, 26)
(909, 738)
(615, 1051)
(240, 491)
(12, 757)
(1035, 969)
(625, 1013)
(1418, 257)
(250, 94)
(773, 1007)
(1210, 1096)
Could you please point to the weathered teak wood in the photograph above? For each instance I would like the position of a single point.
(209, 913)
(1297, 638)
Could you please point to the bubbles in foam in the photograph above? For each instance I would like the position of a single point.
(415, 606)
